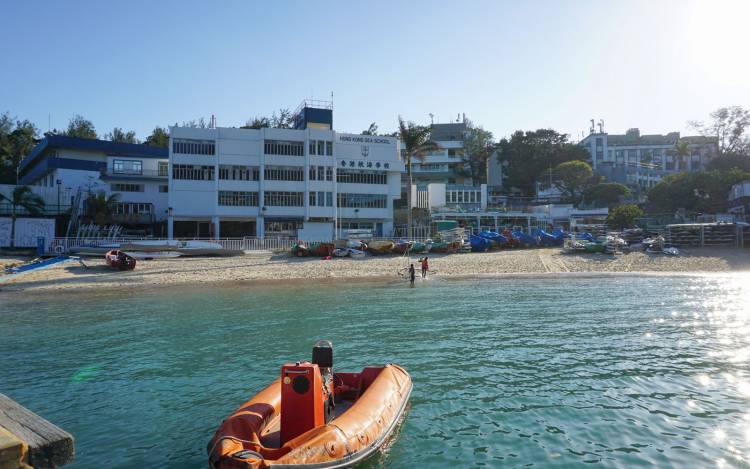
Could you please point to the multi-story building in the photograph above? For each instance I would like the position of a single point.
(642, 160)
(138, 173)
(739, 200)
(445, 165)
(309, 182)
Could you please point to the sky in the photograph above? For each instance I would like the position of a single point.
(507, 65)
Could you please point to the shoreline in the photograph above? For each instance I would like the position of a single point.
(269, 270)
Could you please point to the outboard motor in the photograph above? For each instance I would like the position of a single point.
(307, 393)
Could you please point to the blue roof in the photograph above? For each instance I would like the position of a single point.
(90, 144)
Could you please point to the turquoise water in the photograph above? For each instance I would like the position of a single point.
(622, 372)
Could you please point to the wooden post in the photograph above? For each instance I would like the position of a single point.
(26, 438)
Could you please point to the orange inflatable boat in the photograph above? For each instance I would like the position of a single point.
(311, 417)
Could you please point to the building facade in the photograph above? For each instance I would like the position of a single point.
(446, 165)
(137, 173)
(643, 160)
(739, 200)
(309, 182)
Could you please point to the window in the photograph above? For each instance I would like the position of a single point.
(362, 200)
(283, 199)
(599, 142)
(318, 173)
(361, 177)
(129, 208)
(599, 155)
(238, 173)
(192, 172)
(280, 147)
(632, 157)
(695, 160)
(194, 147)
(163, 168)
(669, 162)
(118, 187)
(320, 148)
(657, 158)
(320, 199)
(283, 173)
(163, 188)
(329, 199)
(283, 227)
(127, 166)
(620, 157)
(329, 173)
(238, 199)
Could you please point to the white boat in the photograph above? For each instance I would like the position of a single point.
(159, 245)
(341, 252)
(206, 248)
(147, 255)
(356, 253)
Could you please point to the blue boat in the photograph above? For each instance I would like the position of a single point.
(496, 238)
(479, 244)
(524, 239)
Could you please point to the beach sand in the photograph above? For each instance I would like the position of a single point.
(269, 267)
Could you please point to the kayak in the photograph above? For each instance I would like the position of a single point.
(119, 260)
(329, 419)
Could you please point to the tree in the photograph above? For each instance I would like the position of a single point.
(159, 138)
(80, 127)
(607, 194)
(416, 143)
(623, 216)
(372, 130)
(257, 123)
(682, 151)
(729, 161)
(100, 208)
(281, 120)
(23, 197)
(572, 178)
(478, 146)
(525, 155)
(120, 136)
(701, 191)
(17, 138)
(730, 126)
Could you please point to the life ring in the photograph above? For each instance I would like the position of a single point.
(59, 249)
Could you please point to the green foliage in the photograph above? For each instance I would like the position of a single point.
(281, 120)
(703, 191)
(525, 155)
(100, 208)
(729, 161)
(23, 197)
(607, 194)
(80, 127)
(572, 178)
(478, 146)
(623, 216)
(730, 126)
(17, 138)
(120, 136)
(415, 143)
(372, 130)
(158, 138)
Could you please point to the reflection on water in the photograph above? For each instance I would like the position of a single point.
(520, 372)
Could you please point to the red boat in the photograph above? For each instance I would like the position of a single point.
(119, 260)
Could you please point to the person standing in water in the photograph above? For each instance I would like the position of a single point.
(425, 267)
(412, 274)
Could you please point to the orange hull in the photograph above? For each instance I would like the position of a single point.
(369, 407)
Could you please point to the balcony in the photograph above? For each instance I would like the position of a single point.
(151, 174)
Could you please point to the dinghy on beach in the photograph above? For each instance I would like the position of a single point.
(313, 417)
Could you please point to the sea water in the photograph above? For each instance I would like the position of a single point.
(535, 372)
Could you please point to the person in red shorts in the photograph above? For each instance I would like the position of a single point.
(425, 267)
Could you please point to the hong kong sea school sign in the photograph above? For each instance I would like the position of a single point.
(364, 164)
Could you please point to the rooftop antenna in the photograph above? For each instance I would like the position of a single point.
(601, 126)
(463, 115)
(592, 126)
(458, 117)
(213, 122)
(432, 121)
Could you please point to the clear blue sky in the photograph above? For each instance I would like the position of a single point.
(507, 65)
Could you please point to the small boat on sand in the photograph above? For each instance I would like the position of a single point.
(119, 260)
(313, 417)
(380, 247)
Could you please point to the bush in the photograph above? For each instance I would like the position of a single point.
(623, 216)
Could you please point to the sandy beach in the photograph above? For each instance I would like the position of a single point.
(268, 267)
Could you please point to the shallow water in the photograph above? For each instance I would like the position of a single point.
(538, 372)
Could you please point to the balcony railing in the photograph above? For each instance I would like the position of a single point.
(146, 173)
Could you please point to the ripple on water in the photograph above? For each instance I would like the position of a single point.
(624, 372)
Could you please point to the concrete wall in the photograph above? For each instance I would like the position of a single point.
(27, 231)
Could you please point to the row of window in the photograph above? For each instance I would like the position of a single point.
(284, 173)
(320, 147)
(362, 200)
(120, 187)
(193, 147)
(463, 197)
(321, 199)
(128, 208)
(238, 199)
(321, 173)
(361, 177)
(238, 173)
(127, 166)
(280, 147)
(283, 199)
(192, 172)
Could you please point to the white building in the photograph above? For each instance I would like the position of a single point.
(447, 164)
(306, 183)
(138, 173)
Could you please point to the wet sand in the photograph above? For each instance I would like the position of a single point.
(268, 268)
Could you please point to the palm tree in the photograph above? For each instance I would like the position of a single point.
(416, 144)
(682, 151)
(100, 207)
(22, 197)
